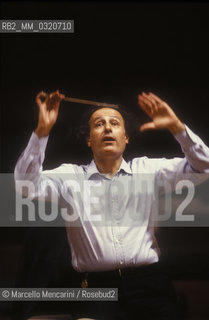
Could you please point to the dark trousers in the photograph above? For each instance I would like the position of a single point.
(144, 293)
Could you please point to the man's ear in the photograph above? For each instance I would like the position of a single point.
(88, 141)
(127, 138)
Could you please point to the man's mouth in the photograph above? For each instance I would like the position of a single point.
(108, 139)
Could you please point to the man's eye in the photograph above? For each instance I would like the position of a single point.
(115, 123)
(98, 124)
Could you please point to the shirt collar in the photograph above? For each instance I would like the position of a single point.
(92, 168)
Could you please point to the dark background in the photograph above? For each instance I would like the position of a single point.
(118, 50)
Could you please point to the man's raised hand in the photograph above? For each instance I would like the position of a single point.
(48, 112)
(163, 117)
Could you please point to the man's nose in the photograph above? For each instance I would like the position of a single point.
(108, 127)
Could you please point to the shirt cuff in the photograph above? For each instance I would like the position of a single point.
(36, 144)
(187, 138)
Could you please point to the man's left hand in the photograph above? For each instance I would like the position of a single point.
(163, 117)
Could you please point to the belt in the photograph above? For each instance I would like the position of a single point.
(117, 273)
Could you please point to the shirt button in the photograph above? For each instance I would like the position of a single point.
(121, 261)
(117, 241)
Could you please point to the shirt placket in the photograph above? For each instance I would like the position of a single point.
(116, 226)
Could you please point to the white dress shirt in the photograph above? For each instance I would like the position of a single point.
(109, 225)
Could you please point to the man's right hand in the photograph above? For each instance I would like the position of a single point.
(48, 112)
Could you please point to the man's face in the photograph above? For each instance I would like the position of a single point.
(107, 133)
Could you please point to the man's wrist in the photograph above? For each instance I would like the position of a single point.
(177, 127)
(41, 133)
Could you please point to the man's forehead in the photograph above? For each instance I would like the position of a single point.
(106, 112)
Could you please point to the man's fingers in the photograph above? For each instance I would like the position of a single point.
(151, 100)
(147, 126)
(51, 101)
(156, 97)
(39, 98)
(44, 95)
(146, 105)
(152, 103)
(55, 98)
(57, 94)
